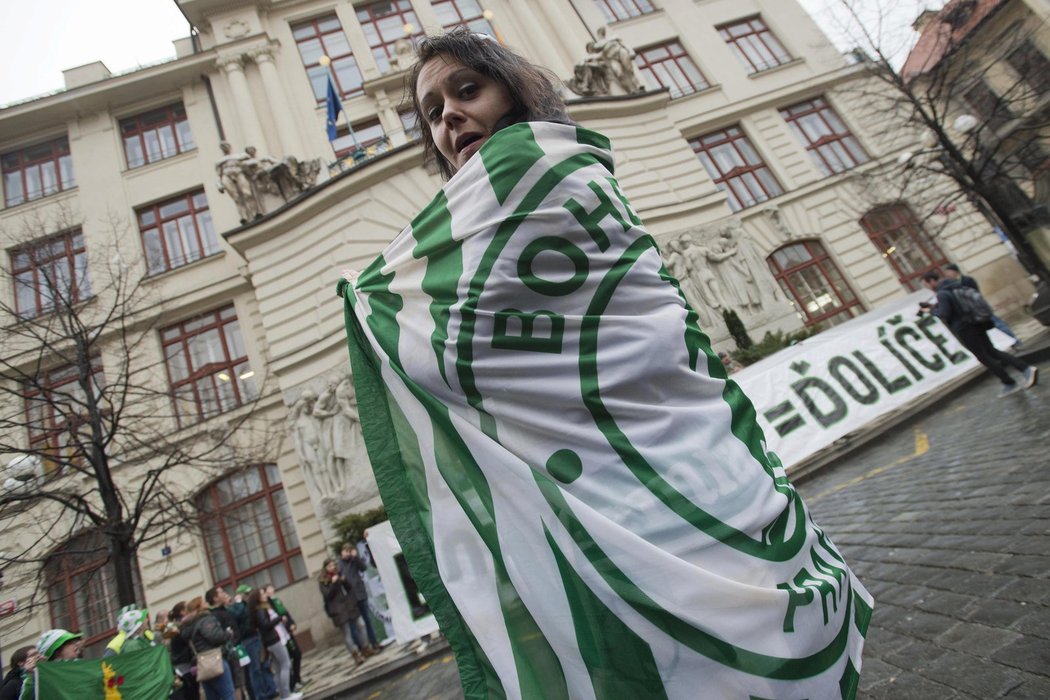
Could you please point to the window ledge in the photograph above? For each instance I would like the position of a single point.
(152, 165)
(185, 266)
(48, 198)
(774, 69)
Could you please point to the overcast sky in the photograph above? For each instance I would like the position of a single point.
(44, 37)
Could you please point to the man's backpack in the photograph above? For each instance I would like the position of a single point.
(972, 308)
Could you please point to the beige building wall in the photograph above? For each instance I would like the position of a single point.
(247, 84)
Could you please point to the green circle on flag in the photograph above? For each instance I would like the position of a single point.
(550, 287)
(565, 466)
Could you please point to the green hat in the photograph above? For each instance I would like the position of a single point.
(52, 640)
(244, 589)
(131, 619)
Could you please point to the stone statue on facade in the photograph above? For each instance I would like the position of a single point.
(620, 60)
(737, 274)
(235, 180)
(590, 77)
(403, 57)
(306, 437)
(678, 266)
(700, 258)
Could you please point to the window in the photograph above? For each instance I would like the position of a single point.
(828, 140)
(410, 123)
(462, 13)
(156, 135)
(325, 37)
(177, 232)
(813, 283)
(756, 47)
(207, 365)
(368, 136)
(615, 10)
(50, 273)
(37, 171)
(990, 108)
(82, 590)
(55, 411)
(669, 66)
(901, 239)
(384, 23)
(1032, 66)
(248, 530)
(735, 166)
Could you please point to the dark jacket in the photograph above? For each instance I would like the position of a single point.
(265, 626)
(205, 631)
(338, 603)
(351, 569)
(227, 619)
(12, 685)
(946, 309)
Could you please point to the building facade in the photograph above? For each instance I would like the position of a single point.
(745, 156)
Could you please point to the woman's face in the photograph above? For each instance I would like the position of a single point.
(330, 567)
(461, 107)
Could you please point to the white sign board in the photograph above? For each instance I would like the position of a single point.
(404, 605)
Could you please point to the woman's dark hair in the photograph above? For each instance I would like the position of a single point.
(254, 603)
(20, 656)
(533, 95)
(323, 576)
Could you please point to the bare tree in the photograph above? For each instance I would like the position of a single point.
(974, 90)
(94, 440)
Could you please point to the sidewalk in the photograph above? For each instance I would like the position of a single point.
(332, 670)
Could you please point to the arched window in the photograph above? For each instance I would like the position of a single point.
(248, 530)
(901, 239)
(812, 282)
(82, 590)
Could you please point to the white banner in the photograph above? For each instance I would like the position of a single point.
(811, 394)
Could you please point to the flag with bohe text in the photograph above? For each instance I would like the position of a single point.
(583, 497)
(135, 675)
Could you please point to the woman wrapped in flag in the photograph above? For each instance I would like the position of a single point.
(585, 500)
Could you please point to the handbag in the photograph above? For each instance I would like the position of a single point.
(209, 663)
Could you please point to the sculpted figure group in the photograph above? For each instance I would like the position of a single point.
(246, 176)
(326, 432)
(608, 60)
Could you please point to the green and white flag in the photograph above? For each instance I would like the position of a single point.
(584, 499)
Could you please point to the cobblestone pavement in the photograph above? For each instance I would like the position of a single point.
(946, 519)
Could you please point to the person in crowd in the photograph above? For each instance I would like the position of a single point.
(133, 632)
(294, 653)
(260, 680)
(952, 272)
(729, 363)
(340, 606)
(630, 479)
(22, 663)
(975, 338)
(267, 624)
(186, 686)
(53, 645)
(204, 631)
(218, 601)
(351, 568)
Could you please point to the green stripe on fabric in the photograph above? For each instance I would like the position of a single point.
(596, 140)
(465, 341)
(718, 650)
(695, 340)
(849, 681)
(620, 663)
(393, 453)
(782, 549)
(444, 268)
(507, 165)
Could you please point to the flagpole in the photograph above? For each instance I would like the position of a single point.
(338, 107)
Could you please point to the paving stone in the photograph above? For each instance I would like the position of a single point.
(1000, 613)
(973, 675)
(1027, 589)
(1029, 653)
(978, 640)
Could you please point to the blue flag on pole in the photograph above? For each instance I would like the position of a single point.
(334, 108)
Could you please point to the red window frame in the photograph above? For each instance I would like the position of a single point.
(755, 44)
(246, 516)
(53, 411)
(324, 36)
(992, 109)
(901, 239)
(668, 65)
(368, 134)
(462, 13)
(207, 380)
(82, 590)
(36, 171)
(829, 141)
(796, 266)
(54, 266)
(736, 167)
(382, 32)
(156, 135)
(176, 232)
(617, 10)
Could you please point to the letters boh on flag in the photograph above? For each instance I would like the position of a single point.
(585, 500)
(136, 675)
(334, 107)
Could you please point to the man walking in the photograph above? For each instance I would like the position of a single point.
(952, 272)
(974, 336)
